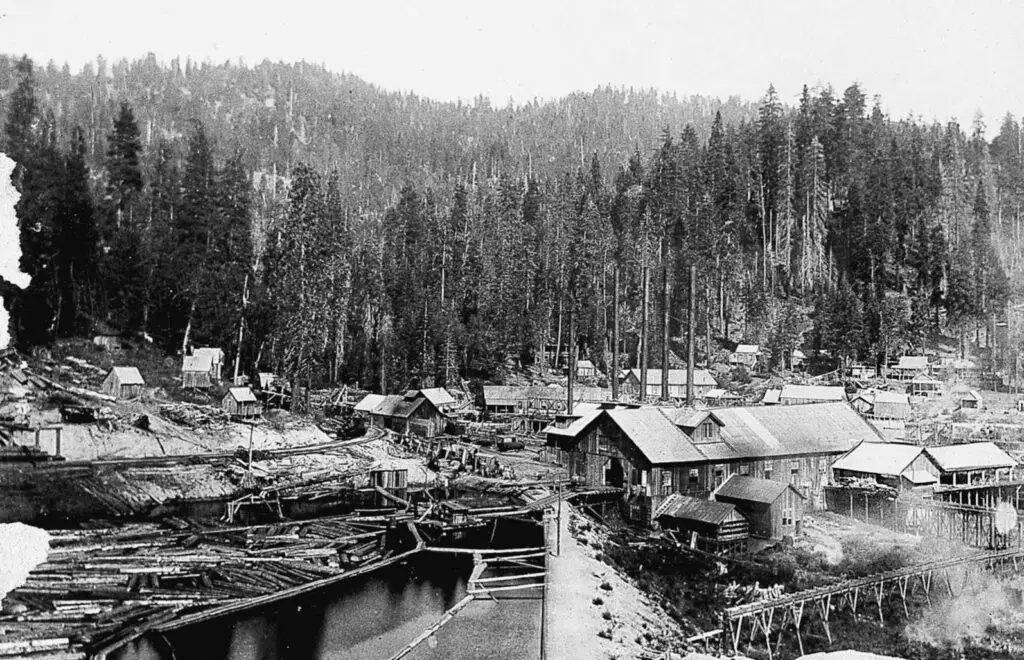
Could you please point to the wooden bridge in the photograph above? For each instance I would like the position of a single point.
(790, 612)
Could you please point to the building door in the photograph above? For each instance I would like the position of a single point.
(613, 473)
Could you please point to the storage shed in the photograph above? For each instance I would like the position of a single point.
(774, 509)
(585, 369)
(901, 466)
(195, 371)
(797, 394)
(241, 402)
(124, 383)
(972, 462)
(969, 400)
(715, 521)
(216, 358)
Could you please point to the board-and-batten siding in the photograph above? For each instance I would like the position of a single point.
(809, 479)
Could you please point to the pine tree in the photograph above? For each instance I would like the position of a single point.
(124, 172)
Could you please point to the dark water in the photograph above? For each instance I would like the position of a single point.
(371, 616)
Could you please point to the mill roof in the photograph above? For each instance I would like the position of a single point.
(885, 458)
(970, 456)
(692, 508)
(817, 392)
(369, 402)
(701, 377)
(438, 396)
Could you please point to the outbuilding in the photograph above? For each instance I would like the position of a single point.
(926, 386)
(719, 522)
(585, 369)
(972, 462)
(798, 394)
(774, 509)
(901, 466)
(196, 370)
(968, 400)
(241, 402)
(124, 383)
(215, 357)
(745, 354)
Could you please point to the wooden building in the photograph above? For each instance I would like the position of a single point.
(924, 385)
(703, 382)
(718, 522)
(910, 366)
(901, 466)
(366, 405)
(655, 452)
(967, 400)
(971, 463)
(800, 394)
(882, 404)
(215, 357)
(440, 397)
(196, 370)
(745, 354)
(862, 371)
(720, 398)
(409, 414)
(774, 509)
(124, 383)
(585, 369)
(241, 402)
(538, 399)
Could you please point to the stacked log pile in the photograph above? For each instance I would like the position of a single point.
(101, 587)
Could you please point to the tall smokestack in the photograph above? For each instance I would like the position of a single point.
(643, 339)
(690, 335)
(615, 339)
(664, 327)
(572, 360)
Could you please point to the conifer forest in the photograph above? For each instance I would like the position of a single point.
(332, 231)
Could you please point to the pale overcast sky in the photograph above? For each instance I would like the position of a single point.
(934, 58)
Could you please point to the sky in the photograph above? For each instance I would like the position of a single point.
(934, 59)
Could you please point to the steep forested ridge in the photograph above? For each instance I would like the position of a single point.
(335, 231)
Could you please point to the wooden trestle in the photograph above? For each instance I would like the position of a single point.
(763, 619)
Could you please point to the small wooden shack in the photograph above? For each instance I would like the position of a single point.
(910, 366)
(799, 394)
(195, 371)
(926, 386)
(585, 369)
(124, 383)
(241, 402)
(968, 400)
(714, 521)
(216, 358)
(774, 509)
(745, 354)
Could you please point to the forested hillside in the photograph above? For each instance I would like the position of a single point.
(335, 231)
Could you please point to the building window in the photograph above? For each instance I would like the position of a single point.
(767, 472)
(666, 482)
(694, 477)
(719, 473)
(794, 468)
(744, 470)
(706, 432)
(603, 446)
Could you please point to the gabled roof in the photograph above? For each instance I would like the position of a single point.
(912, 362)
(369, 402)
(748, 348)
(584, 364)
(885, 396)
(438, 396)
(704, 511)
(396, 405)
(693, 419)
(884, 458)
(242, 395)
(925, 378)
(701, 377)
(128, 376)
(762, 431)
(817, 392)
(197, 362)
(738, 488)
(970, 456)
(216, 355)
(654, 434)
(771, 396)
(584, 417)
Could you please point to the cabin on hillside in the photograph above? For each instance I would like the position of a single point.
(799, 394)
(585, 369)
(411, 413)
(241, 402)
(862, 371)
(703, 382)
(924, 385)
(882, 404)
(900, 466)
(774, 509)
(910, 366)
(967, 400)
(972, 462)
(124, 383)
(745, 354)
(196, 370)
(215, 357)
(654, 452)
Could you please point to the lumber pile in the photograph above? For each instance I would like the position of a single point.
(193, 414)
(102, 587)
